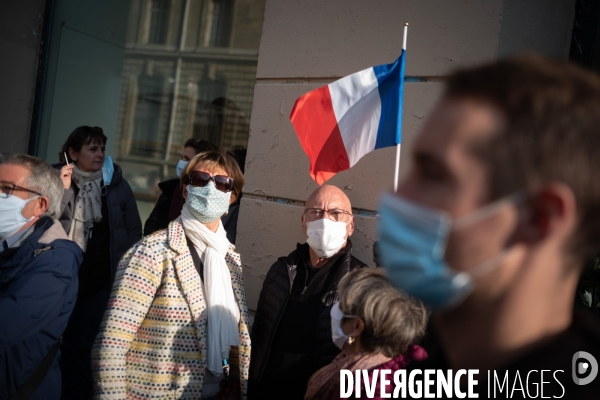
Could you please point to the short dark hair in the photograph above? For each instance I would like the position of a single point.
(552, 111)
(200, 145)
(239, 153)
(80, 136)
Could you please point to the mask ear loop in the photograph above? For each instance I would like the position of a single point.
(23, 206)
(350, 219)
(483, 213)
(486, 212)
(488, 265)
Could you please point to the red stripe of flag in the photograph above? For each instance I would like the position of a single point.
(317, 129)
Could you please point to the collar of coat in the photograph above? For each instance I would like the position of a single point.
(343, 265)
(47, 234)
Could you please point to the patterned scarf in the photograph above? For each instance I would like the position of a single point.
(88, 205)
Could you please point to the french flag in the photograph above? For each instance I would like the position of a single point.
(339, 123)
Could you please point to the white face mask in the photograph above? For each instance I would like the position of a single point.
(337, 334)
(11, 219)
(181, 164)
(326, 237)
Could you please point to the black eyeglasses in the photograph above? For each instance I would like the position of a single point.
(7, 189)
(336, 214)
(201, 179)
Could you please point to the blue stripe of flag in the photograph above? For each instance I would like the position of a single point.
(390, 78)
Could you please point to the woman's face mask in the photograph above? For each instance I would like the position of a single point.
(181, 164)
(412, 244)
(337, 334)
(207, 203)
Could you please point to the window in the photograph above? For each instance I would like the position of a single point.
(170, 70)
(159, 20)
(222, 12)
(146, 128)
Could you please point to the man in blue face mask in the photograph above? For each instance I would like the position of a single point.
(496, 219)
(38, 278)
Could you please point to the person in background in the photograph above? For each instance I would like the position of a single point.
(169, 204)
(178, 308)
(99, 213)
(494, 222)
(38, 278)
(291, 333)
(231, 218)
(379, 328)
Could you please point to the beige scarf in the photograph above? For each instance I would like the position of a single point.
(88, 205)
(223, 310)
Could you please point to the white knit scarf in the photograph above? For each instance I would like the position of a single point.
(88, 205)
(223, 311)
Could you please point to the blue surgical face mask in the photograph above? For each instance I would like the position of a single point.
(181, 164)
(11, 219)
(108, 169)
(412, 244)
(207, 203)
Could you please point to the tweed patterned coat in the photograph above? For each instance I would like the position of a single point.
(152, 341)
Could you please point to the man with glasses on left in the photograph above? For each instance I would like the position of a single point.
(38, 278)
(292, 334)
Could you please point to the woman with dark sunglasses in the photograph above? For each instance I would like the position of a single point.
(177, 322)
(168, 206)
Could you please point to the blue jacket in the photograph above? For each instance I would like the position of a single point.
(38, 289)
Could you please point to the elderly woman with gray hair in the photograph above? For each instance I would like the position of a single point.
(378, 327)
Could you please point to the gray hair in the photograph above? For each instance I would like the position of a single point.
(393, 320)
(42, 178)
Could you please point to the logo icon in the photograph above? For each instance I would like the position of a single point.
(581, 367)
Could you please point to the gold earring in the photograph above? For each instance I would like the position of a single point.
(350, 340)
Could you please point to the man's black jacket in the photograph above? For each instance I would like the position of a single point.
(271, 305)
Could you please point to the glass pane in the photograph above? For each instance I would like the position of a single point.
(165, 71)
(159, 20)
(221, 23)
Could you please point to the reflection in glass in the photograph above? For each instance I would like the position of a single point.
(147, 115)
(159, 18)
(221, 22)
(189, 72)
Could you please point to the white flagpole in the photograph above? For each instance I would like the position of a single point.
(399, 144)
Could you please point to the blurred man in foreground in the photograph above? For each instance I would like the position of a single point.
(38, 278)
(495, 221)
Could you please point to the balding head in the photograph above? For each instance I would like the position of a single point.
(329, 197)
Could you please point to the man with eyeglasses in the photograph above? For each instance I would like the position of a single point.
(291, 334)
(38, 278)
